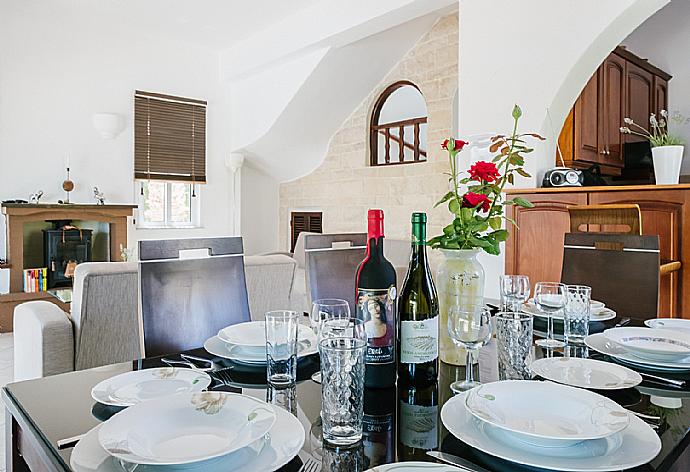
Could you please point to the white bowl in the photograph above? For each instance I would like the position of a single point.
(651, 343)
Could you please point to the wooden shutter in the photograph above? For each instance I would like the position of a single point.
(169, 138)
(304, 221)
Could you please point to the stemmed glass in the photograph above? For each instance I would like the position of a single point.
(469, 326)
(323, 310)
(550, 298)
(515, 290)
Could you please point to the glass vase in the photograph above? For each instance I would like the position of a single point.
(460, 282)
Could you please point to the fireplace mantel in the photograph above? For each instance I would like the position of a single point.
(17, 214)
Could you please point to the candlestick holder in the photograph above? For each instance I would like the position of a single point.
(67, 186)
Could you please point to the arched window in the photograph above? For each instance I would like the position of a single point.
(398, 126)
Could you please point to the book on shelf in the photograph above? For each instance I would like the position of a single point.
(36, 280)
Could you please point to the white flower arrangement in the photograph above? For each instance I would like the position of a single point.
(659, 135)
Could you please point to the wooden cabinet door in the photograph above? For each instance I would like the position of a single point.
(639, 97)
(613, 110)
(661, 215)
(660, 95)
(536, 248)
(587, 119)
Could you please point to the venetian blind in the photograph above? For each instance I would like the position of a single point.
(169, 138)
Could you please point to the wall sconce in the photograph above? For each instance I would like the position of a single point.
(234, 161)
(108, 125)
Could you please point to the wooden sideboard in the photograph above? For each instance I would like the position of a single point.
(536, 248)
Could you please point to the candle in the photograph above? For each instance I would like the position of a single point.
(66, 161)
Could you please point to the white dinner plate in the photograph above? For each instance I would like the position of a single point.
(185, 428)
(253, 334)
(599, 343)
(649, 343)
(586, 373)
(546, 413)
(252, 356)
(635, 445)
(279, 447)
(602, 314)
(413, 466)
(669, 323)
(134, 387)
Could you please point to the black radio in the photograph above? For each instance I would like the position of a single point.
(563, 177)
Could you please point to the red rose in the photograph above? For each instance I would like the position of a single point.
(459, 144)
(471, 200)
(486, 171)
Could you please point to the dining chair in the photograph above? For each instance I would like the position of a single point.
(622, 269)
(189, 289)
(331, 262)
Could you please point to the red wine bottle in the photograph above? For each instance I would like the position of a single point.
(376, 299)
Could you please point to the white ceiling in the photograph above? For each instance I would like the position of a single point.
(214, 24)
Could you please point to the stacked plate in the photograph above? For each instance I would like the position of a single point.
(548, 425)
(669, 323)
(209, 431)
(245, 343)
(597, 311)
(649, 348)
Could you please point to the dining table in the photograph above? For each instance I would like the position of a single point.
(43, 412)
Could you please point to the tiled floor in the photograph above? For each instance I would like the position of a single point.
(6, 376)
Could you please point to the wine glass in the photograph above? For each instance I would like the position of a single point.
(515, 290)
(550, 298)
(322, 310)
(469, 326)
(343, 328)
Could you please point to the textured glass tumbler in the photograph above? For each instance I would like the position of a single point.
(281, 347)
(514, 333)
(342, 389)
(576, 315)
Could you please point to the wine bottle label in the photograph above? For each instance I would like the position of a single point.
(419, 426)
(419, 341)
(377, 309)
(378, 434)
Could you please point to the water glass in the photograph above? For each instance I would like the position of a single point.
(514, 334)
(550, 299)
(576, 316)
(469, 327)
(323, 310)
(342, 389)
(515, 290)
(281, 347)
(349, 458)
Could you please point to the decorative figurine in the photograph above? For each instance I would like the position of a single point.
(99, 196)
(35, 198)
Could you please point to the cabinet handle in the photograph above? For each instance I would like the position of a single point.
(603, 152)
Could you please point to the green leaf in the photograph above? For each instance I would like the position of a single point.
(495, 222)
(453, 206)
(445, 198)
(500, 235)
(519, 201)
(522, 172)
(479, 242)
(510, 178)
(449, 230)
(466, 215)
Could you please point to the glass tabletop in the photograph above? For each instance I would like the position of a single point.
(400, 423)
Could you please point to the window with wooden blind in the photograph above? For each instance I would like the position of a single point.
(398, 126)
(304, 221)
(169, 138)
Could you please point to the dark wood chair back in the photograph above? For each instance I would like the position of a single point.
(331, 262)
(622, 269)
(614, 218)
(189, 290)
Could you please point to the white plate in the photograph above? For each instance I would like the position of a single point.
(216, 347)
(636, 445)
(185, 428)
(648, 343)
(599, 343)
(253, 334)
(602, 314)
(137, 386)
(282, 444)
(586, 373)
(669, 323)
(546, 413)
(413, 466)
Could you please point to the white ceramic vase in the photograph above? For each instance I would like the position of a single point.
(667, 161)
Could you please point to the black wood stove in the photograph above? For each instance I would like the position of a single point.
(64, 247)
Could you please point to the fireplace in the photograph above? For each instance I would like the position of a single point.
(65, 246)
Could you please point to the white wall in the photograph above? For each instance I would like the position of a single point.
(664, 39)
(539, 54)
(57, 69)
(259, 211)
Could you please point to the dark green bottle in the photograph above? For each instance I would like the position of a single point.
(417, 333)
(418, 422)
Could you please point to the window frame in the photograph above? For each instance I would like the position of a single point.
(420, 156)
(194, 207)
